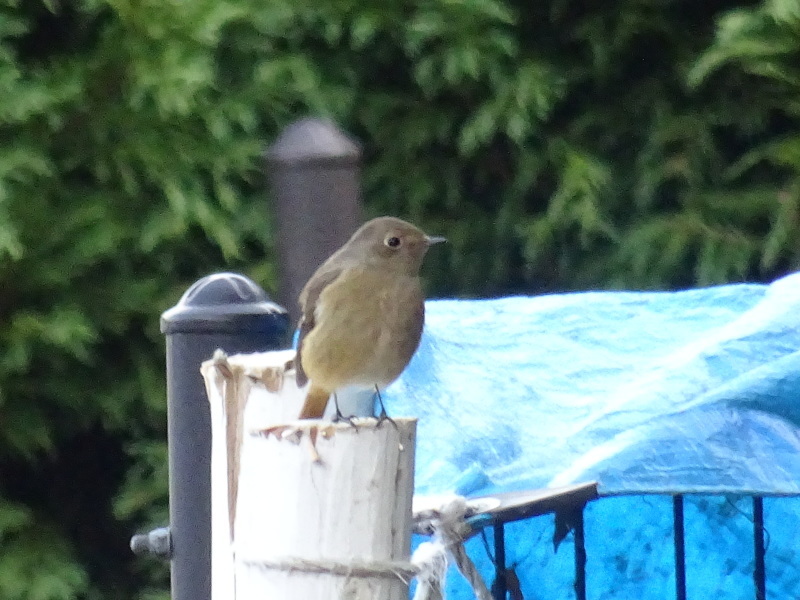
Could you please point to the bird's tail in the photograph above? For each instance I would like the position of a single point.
(316, 401)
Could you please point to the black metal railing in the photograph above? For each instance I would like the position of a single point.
(680, 547)
(759, 572)
(572, 501)
(759, 549)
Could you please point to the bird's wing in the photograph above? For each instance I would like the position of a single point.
(308, 303)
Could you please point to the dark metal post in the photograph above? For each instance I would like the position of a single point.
(230, 312)
(580, 557)
(759, 572)
(501, 585)
(315, 173)
(680, 548)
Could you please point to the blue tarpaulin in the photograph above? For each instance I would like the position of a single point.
(694, 391)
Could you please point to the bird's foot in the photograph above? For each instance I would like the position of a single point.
(383, 417)
(339, 417)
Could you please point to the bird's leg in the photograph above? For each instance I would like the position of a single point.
(383, 416)
(339, 416)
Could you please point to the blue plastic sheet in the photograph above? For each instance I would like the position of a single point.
(695, 391)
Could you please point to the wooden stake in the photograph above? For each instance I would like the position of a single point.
(305, 510)
(319, 500)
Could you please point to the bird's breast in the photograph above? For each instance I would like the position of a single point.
(367, 327)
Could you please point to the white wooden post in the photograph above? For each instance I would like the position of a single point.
(322, 510)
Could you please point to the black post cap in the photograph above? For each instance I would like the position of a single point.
(225, 303)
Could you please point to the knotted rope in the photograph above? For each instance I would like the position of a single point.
(428, 564)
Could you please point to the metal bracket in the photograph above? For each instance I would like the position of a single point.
(158, 542)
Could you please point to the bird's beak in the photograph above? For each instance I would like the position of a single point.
(434, 239)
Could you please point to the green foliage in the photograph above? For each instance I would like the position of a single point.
(628, 143)
(36, 562)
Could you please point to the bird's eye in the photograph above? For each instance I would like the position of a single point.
(392, 242)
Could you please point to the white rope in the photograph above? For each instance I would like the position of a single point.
(431, 559)
(450, 530)
(428, 565)
(379, 568)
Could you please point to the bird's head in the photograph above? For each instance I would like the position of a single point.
(392, 244)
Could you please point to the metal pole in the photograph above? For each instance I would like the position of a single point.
(315, 172)
(759, 572)
(680, 548)
(501, 585)
(580, 557)
(227, 311)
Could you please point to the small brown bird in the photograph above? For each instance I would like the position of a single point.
(362, 312)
